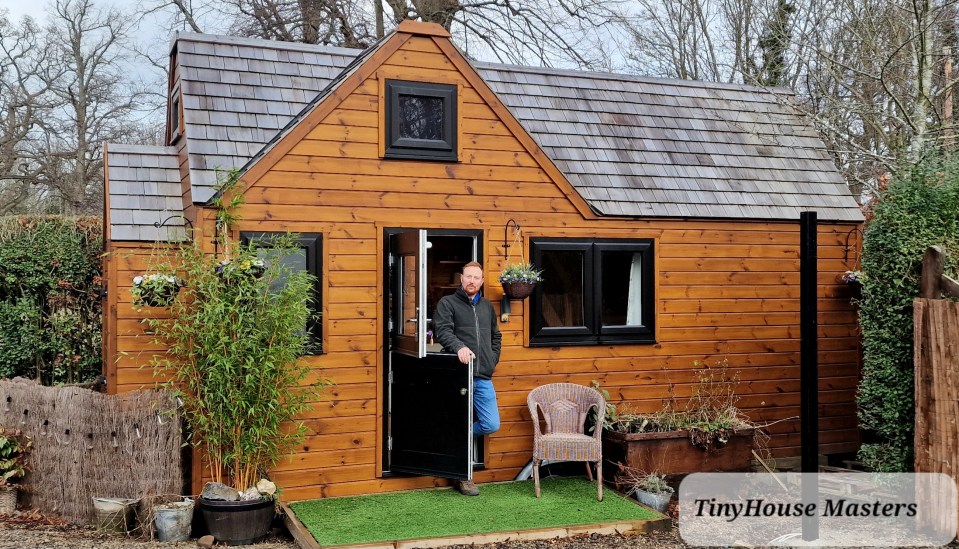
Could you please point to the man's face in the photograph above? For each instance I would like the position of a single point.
(472, 280)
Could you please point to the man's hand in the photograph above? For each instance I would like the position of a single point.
(465, 355)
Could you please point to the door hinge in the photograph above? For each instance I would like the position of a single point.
(389, 326)
(389, 260)
(389, 443)
(391, 377)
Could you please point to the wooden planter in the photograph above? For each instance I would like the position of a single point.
(672, 453)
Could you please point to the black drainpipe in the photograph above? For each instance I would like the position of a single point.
(809, 369)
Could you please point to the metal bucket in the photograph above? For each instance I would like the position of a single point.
(174, 520)
(115, 514)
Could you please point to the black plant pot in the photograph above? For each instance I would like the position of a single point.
(237, 522)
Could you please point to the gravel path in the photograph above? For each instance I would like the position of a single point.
(41, 533)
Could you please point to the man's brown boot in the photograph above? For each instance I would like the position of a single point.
(467, 488)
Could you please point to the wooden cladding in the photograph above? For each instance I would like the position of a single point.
(726, 291)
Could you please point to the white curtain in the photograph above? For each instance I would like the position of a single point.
(634, 304)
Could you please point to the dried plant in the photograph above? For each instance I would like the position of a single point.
(711, 414)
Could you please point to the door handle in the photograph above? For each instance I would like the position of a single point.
(413, 320)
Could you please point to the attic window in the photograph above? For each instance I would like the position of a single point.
(420, 120)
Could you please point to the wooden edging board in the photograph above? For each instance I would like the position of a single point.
(305, 540)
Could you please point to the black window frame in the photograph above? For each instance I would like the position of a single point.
(421, 149)
(313, 244)
(593, 332)
(174, 120)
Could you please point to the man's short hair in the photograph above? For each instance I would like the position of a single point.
(472, 264)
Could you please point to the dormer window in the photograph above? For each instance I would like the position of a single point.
(420, 120)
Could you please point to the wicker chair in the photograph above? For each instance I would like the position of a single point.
(564, 407)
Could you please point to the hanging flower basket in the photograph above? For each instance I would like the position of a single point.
(155, 290)
(519, 279)
(229, 269)
(518, 290)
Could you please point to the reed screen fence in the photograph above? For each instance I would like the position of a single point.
(87, 445)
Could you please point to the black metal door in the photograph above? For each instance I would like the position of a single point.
(431, 416)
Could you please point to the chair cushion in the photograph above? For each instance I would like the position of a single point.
(567, 447)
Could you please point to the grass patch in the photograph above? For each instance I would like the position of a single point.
(438, 513)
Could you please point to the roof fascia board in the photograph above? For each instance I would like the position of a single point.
(525, 139)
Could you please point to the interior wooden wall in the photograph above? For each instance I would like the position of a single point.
(725, 290)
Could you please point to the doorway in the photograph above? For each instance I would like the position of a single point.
(428, 393)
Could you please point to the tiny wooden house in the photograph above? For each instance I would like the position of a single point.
(664, 212)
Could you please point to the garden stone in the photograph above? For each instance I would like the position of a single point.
(219, 491)
(206, 542)
(250, 494)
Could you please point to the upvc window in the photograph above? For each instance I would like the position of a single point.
(420, 120)
(594, 292)
(308, 258)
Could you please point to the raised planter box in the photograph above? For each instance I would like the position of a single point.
(672, 453)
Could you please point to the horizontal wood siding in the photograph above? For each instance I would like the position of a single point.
(725, 290)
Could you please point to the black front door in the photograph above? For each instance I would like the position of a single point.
(432, 431)
(430, 407)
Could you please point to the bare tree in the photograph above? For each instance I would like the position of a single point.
(569, 32)
(23, 103)
(95, 102)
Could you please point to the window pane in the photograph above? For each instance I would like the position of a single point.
(622, 288)
(563, 289)
(408, 302)
(421, 117)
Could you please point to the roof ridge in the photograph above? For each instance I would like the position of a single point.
(263, 42)
(601, 75)
(129, 148)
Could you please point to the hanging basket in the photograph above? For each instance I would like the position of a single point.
(518, 290)
(159, 298)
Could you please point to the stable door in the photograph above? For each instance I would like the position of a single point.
(429, 411)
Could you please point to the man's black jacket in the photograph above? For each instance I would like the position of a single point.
(457, 323)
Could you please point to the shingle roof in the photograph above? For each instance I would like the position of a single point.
(144, 186)
(677, 148)
(238, 93)
(630, 146)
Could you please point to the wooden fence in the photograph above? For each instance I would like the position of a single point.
(87, 444)
(936, 357)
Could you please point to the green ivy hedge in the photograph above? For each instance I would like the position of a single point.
(919, 209)
(50, 307)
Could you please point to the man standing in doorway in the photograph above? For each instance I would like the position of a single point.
(465, 323)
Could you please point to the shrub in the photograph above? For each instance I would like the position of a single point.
(919, 209)
(50, 304)
(233, 343)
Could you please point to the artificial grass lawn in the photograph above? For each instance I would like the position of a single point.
(438, 513)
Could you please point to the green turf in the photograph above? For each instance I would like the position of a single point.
(437, 513)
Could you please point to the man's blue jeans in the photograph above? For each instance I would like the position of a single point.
(485, 412)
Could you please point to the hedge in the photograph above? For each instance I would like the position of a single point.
(919, 209)
(50, 305)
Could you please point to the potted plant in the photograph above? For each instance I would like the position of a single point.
(15, 447)
(650, 489)
(854, 280)
(707, 432)
(155, 289)
(232, 358)
(230, 269)
(519, 279)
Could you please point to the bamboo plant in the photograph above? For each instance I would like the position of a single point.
(233, 343)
